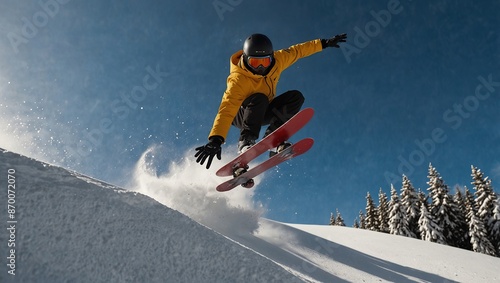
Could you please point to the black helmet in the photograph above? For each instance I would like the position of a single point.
(258, 46)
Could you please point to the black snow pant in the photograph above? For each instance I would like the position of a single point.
(256, 111)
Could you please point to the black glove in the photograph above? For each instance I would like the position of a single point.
(334, 41)
(212, 148)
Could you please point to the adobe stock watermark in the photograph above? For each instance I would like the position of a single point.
(31, 27)
(454, 118)
(362, 37)
(223, 6)
(120, 109)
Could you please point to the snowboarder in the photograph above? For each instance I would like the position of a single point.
(250, 100)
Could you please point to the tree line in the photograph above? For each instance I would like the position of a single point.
(463, 219)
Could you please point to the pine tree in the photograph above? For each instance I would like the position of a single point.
(339, 221)
(332, 219)
(371, 219)
(410, 202)
(442, 205)
(479, 236)
(362, 222)
(485, 197)
(468, 200)
(462, 230)
(495, 228)
(428, 227)
(356, 224)
(398, 222)
(383, 212)
(477, 231)
(485, 201)
(452, 232)
(422, 199)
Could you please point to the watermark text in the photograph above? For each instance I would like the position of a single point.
(11, 222)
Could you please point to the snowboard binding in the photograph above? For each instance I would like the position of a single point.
(238, 171)
(248, 184)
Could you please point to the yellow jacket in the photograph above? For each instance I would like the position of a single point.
(241, 83)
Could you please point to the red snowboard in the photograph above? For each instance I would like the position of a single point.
(283, 133)
(290, 152)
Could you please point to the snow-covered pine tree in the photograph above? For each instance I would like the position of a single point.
(452, 232)
(398, 221)
(462, 230)
(485, 201)
(332, 219)
(441, 205)
(477, 231)
(356, 224)
(422, 198)
(339, 221)
(371, 219)
(410, 202)
(362, 222)
(428, 227)
(383, 212)
(496, 226)
(468, 199)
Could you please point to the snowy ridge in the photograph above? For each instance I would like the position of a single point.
(74, 228)
(77, 230)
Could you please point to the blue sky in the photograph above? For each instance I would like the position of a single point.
(91, 85)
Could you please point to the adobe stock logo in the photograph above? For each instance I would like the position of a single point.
(471, 103)
(454, 118)
(223, 6)
(31, 27)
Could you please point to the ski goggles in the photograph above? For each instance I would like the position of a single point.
(255, 62)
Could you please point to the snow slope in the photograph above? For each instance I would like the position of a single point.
(72, 228)
(366, 256)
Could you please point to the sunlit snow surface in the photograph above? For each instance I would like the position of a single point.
(72, 228)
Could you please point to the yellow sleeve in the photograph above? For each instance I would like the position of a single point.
(286, 57)
(231, 101)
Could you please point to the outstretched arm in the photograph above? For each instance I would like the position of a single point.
(334, 41)
(287, 57)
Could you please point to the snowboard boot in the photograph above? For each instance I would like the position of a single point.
(245, 144)
(279, 148)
